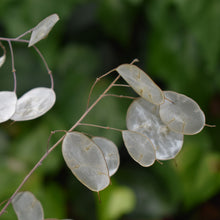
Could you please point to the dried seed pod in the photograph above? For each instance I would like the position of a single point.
(181, 114)
(43, 29)
(86, 161)
(141, 83)
(139, 147)
(3, 57)
(27, 207)
(110, 152)
(34, 103)
(7, 105)
(143, 117)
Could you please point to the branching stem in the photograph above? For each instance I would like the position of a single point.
(56, 144)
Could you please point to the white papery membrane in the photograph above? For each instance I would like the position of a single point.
(7, 105)
(86, 161)
(141, 83)
(143, 117)
(2, 59)
(182, 114)
(34, 104)
(42, 29)
(27, 207)
(110, 152)
(139, 147)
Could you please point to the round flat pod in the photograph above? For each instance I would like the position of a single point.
(86, 161)
(141, 83)
(27, 207)
(8, 102)
(110, 152)
(181, 114)
(34, 104)
(143, 117)
(139, 147)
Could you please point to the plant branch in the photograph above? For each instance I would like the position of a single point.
(56, 144)
(99, 126)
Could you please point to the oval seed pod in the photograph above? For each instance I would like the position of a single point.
(86, 161)
(34, 103)
(7, 105)
(141, 83)
(143, 117)
(2, 59)
(43, 29)
(110, 152)
(27, 207)
(139, 147)
(181, 114)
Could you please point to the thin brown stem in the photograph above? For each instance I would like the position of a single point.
(121, 96)
(13, 65)
(100, 126)
(56, 144)
(97, 80)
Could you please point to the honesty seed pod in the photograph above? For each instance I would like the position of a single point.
(7, 105)
(110, 152)
(143, 117)
(86, 161)
(27, 207)
(139, 147)
(181, 114)
(141, 83)
(43, 29)
(34, 103)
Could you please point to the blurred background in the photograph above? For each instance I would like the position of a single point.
(178, 45)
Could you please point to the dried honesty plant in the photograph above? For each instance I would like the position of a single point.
(156, 124)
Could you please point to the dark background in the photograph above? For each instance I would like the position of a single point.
(178, 45)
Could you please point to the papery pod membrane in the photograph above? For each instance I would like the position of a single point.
(110, 152)
(139, 147)
(8, 102)
(34, 104)
(143, 117)
(3, 57)
(141, 83)
(42, 29)
(181, 114)
(86, 161)
(27, 207)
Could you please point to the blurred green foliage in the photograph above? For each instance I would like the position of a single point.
(178, 45)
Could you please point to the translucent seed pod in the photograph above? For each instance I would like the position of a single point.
(143, 117)
(110, 152)
(8, 102)
(34, 104)
(27, 207)
(2, 58)
(42, 29)
(139, 147)
(86, 161)
(181, 114)
(141, 83)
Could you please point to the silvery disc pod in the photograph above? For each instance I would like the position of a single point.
(143, 117)
(181, 113)
(34, 104)
(110, 152)
(86, 161)
(141, 83)
(27, 207)
(8, 102)
(42, 29)
(139, 147)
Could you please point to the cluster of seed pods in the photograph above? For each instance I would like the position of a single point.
(156, 122)
(37, 101)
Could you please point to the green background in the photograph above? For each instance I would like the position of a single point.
(178, 45)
